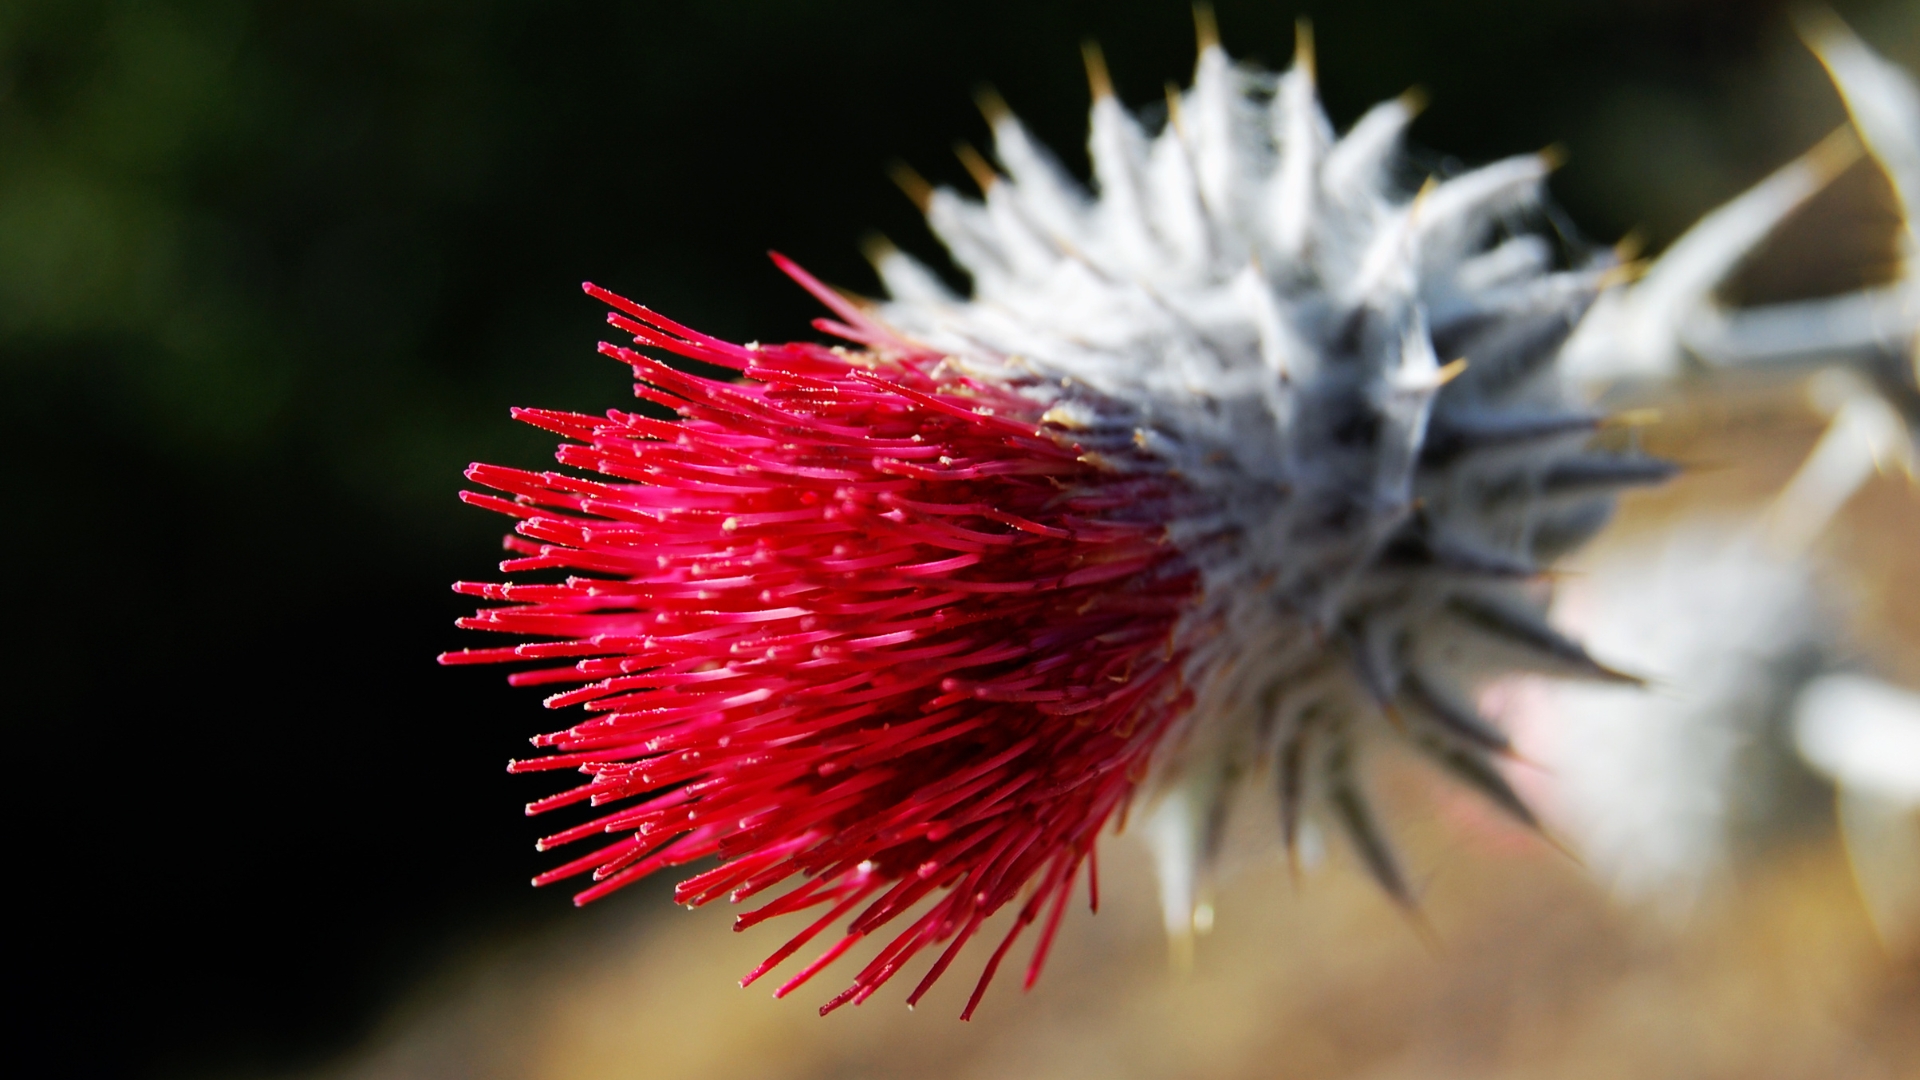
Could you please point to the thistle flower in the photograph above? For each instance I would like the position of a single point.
(1226, 472)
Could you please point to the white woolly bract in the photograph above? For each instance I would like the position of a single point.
(1657, 788)
(1356, 383)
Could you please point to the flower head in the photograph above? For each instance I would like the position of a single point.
(853, 618)
(1183, 495)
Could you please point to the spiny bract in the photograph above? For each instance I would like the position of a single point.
(1354, 387)
(1243, 462)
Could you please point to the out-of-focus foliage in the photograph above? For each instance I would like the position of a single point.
(235, 221)
(231, 225)
(271, 273)
(253, 204)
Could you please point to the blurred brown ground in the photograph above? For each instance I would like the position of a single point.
(1536, 975)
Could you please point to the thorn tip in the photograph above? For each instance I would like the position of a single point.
(1834, 154)
(1097, 78)
(977, 166)
(911, 182)
(876, 248)
(1206, 29)
(991, 105)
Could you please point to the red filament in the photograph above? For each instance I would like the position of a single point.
(854, 618)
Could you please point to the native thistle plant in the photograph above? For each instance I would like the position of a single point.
(1227, 471)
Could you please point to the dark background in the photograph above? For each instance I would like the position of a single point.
(271, 273)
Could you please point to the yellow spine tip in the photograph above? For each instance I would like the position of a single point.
(1553, 156)
(976, 165)
(1816, 25)
(1303, 57)
(1560, 846)
(877, 248)
(991, 105)
(1206, 30)
(1625, 274)
(1420, 197)
(1832, 155)
(1629, 247)
(913, 184)
(1414, 100)
(1097, 78)
(1626, 678)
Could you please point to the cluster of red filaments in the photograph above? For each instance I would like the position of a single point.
(851, 619)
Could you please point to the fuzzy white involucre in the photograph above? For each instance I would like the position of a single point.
(1357, 384)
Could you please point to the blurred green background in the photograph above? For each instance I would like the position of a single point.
(272, 273)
